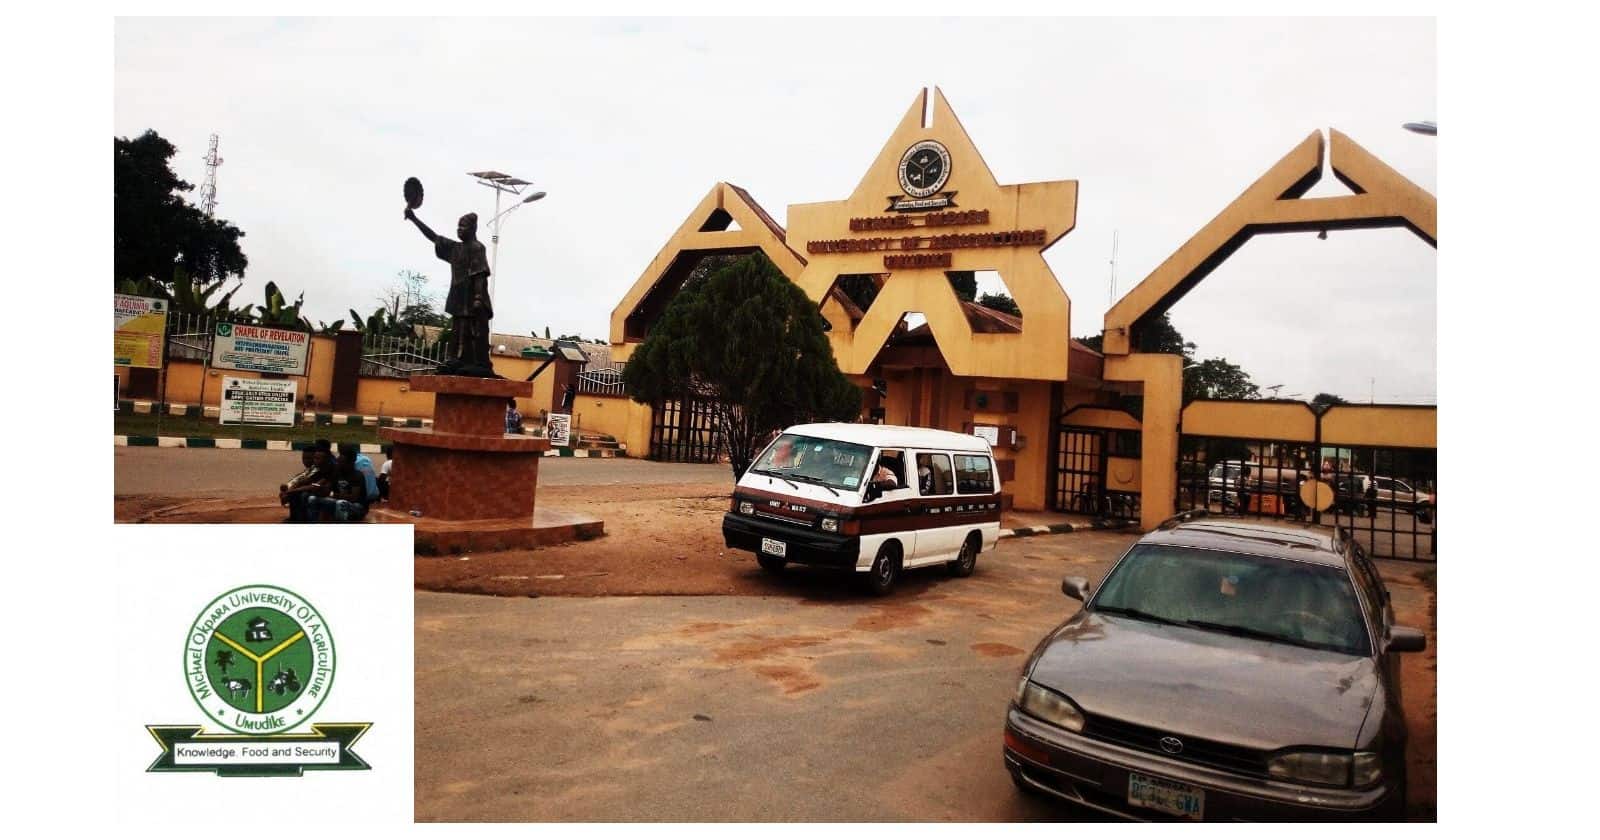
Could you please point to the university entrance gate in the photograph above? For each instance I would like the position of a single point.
(1369, 469)
(685, 430)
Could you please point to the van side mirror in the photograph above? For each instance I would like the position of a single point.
(874, 490)
(1406, 640)
(1076, 588)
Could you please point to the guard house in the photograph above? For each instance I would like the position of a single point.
(928, 206)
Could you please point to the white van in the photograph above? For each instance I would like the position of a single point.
(874, 499)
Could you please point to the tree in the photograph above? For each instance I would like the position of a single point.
(750, 342)
(1217, 379)
(1324, 401)
(1000, 301)
(965, 283)
(1213, 379)
(862, 289)
(411, 303)
(156, 227)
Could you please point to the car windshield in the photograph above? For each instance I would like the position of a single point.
(1268, 598)
(831, 463)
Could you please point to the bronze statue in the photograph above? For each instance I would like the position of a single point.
(468, 301)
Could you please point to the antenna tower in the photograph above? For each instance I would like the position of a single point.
(208, 190)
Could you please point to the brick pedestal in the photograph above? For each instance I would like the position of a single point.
(474, 485)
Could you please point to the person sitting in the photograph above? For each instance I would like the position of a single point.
(887, 475)
(355, 488)
(513, 417)
(313, 481)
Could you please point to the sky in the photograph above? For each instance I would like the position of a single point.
(627, 123)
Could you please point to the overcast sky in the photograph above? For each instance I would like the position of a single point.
(628, 123)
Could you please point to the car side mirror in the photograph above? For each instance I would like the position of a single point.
(1406, 640)
(1076, 588)
(873, 492)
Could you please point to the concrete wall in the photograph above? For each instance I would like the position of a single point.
(1381, 425)
(195, 383)
(1250, 419)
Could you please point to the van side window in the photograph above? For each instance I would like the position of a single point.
(973, 474)
(933, 474)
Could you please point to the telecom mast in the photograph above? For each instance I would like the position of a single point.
(208, 190)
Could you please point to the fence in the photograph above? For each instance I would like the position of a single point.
(400, 356)
(189, 335)
(605, 382)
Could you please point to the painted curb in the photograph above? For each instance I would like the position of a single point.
(1061, 528)
(297, 445)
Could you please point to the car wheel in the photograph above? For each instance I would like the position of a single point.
(967, 560)
(774, 565)
(885, 571)
(1425, 513)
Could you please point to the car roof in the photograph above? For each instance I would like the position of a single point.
(891, 437)
(1251, 535)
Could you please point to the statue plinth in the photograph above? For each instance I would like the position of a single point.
(473, 486)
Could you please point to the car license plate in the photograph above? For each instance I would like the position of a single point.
(773, 547)
(1166, 797)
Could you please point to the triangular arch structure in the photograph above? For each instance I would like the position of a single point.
(1036, 348)
(727, 221)
(1273, 204)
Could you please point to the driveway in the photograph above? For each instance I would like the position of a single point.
(814, 704)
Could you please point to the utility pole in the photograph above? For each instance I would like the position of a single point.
(208, 190)
(1113, 299)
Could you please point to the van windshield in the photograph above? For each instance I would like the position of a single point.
(831, 463)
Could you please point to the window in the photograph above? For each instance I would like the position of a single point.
(973, 474)
(830, 463)
(1296, 603)
(933, 474)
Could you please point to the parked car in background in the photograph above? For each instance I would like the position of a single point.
(1364, 495)
(1228, 667)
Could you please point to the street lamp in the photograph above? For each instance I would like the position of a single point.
(1428, 127)
(501, 183)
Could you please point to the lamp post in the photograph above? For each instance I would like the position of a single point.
(501, 183)
(1428, 127)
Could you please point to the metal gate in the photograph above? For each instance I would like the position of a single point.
(1080, 469)
(685, 431)
(1080, 474)
(1382, 496)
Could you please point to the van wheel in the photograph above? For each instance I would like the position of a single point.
(885, 571)
(771, 565)
(967, 560)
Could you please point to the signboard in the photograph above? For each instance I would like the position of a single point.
(558, 428)
(260, 349)
(141, 331)
(257, 402)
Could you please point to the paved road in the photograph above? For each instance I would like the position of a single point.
(823, 705)
(209, 473)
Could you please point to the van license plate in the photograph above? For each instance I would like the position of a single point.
(1167, 797)
(773, 547)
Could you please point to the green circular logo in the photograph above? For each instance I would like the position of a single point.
(224, 329)
(259, 659)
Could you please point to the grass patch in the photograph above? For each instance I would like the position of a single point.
(202, 427)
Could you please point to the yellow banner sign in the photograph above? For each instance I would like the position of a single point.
(141, 331)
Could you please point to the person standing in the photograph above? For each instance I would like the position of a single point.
(513, 417)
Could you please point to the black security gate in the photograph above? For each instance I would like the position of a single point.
(685, 431)
(1080, 469)
(1080, 473)
(1382, 496)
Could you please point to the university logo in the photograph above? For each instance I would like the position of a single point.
(224, 329)
(924, 170)
(259, 661)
